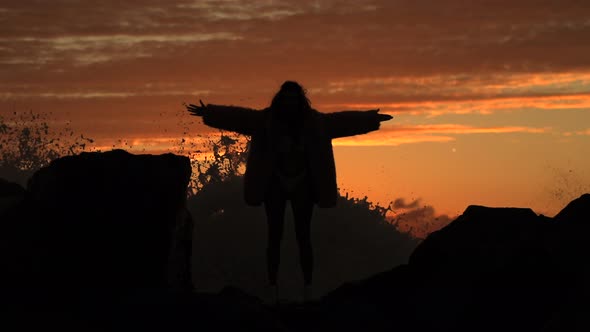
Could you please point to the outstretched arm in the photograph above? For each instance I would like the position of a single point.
(350, 123)
(233, 118)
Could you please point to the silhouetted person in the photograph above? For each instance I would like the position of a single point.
(290, 158)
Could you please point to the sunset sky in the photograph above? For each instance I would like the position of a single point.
(491, 99)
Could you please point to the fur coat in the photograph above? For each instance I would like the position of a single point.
(318, 131)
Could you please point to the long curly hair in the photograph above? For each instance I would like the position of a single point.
(291, 87)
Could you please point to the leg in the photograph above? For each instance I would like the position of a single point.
(302, 206)
(274, 206)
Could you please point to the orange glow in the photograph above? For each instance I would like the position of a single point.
(481, 106)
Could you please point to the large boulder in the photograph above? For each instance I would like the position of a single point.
(490, 269)
(15, 244)
(571, 237)
(10, 194)
(576, 212)
(102, 225)
(570, 240)
(484, 241)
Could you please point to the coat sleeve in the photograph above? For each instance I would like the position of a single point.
(350, 123)
(233, 118)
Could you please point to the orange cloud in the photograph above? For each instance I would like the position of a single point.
(585, 132)
(389, 140)
(462, 129)
(386, 136)
(188, 145)
(482, 105)
(398, 135)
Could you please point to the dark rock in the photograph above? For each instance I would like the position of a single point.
(571, 247)
(13, 174)
(17, 242)
(482, 240)
(107, 237)
(490, 269)
(98, 225)
(10, 194)
(229, 310)
(8, 188)
(383, 302)
(576, 212)
(491, 265)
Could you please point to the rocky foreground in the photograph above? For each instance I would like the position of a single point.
(101, 242)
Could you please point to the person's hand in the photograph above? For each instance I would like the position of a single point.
(196, 110)
(382, 117)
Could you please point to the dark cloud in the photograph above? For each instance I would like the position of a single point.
(345, 38)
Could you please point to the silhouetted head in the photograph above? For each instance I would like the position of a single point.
(291, 100)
